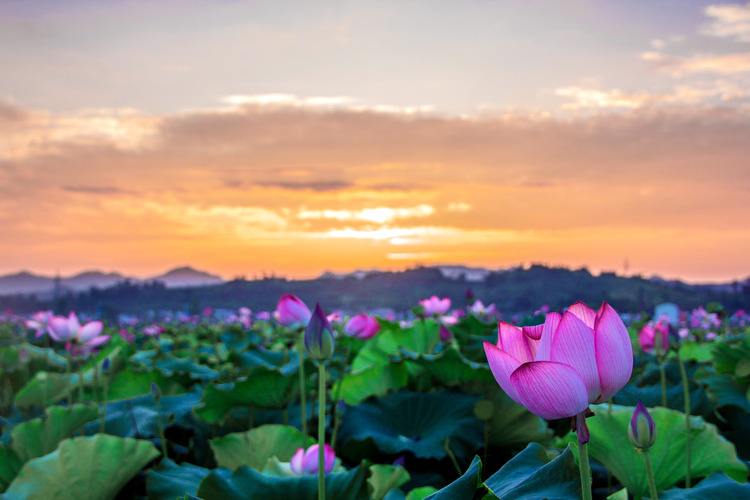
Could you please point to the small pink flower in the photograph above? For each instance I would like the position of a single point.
(654, 334)
(126, 335)
(362, 326)
(79, 340)
(39, 322)
(435, 306)
(306, 461)
(479, 309)
(291, 311)
(153, 330)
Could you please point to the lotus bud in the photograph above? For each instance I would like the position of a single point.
(642, 430)
(319, 341)
(445, 334)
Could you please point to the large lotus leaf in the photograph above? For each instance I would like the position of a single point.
(186, 366)
(40, 436)
(512, 425)
(610, 445)
(452, 368)
(727, 356)
(650, 396)
(168, 480)
(254, 447)
(285, 361)
(10, 464)
(377, 380)
(247, 483)
(535, 473)
(384, 478)
(694, 351)
(714, 486)
(264, 389)
(130, 383)
(83, 468)
(419, 423)
(392, 340)
(37, 357)
(45, 389)
(726, 390)
(463, 488)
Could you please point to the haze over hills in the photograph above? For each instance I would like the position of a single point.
(25, 282)
(518, 289)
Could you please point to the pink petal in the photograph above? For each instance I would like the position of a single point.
(551, 322)
(584, 313)
(310, 460)
(89, 331)
(502, 365)
(513, 341)
(573, 345)
(97, 341)
(58, 329)
(550, 390)
(292, 310)
(534, 331)
(330, 458)
(296, 462)
(73, 324)
(614, 352)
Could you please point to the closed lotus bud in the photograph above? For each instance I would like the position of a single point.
(642, 430)
(319, 341)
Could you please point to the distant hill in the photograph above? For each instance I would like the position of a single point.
(512, 290)
(25, 282)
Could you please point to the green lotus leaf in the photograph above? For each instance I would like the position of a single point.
(535, 473)
(169, 480)
(384, 478)
(254, 447)
(373, 381)
(40, 436)
(463, 488)
(83, 468)
(714, 486)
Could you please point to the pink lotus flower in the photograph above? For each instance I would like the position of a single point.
(292, 311)
(556, 369)
(362, 326)
(263, 316)
(79, 340)
(306, 461)
(479, 309)
(654, 335)
(435, 306)
(126, 335)
(39, 322)
(153, 330)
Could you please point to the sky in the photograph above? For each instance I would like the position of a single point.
(249, 138)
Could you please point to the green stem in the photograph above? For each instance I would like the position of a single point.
(302, 395)
(105, 397)
(447, 446)
(68, 369)
(96, 385)
(80, 384)
(585, 470)
(336, 396)
(162, 438)
(686, 399)
(321, 431)
(650, 476)
(663, 379)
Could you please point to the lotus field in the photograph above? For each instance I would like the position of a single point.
(447, 401)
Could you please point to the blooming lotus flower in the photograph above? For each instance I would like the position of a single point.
(557, 368)
(39, 322)
(153, 330)
(642, 430)
(362, 326)
(306, 461)
(654, 336)
(435, 306)
(292, 311)
(79, 340)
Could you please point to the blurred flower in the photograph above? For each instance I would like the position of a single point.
(654, 335)
(335, 317)
(39, 322)
(557, 368)
(319, 341)
(153, 330)
(435, 306)
(245, 317)
(292, 311)
(642, 430)
(479, 309)
(263, 316)
(445, 334)
(711, 336)
(362, 326)
(306, 461)
(80, 340)
(700, 318)
(126, 335)
(683, 333)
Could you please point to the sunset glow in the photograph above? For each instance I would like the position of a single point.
(234, 155)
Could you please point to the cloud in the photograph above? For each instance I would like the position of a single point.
(678, 66)
(728, 21)
(104, 190)
(380, 215)
(315, 185)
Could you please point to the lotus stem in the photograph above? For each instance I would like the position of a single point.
(96, 385)
(68, 368)
(663, 379)
(162, 438)
(302, 395)
(585, 469)
(686, 400)
(321, 430)
(447, 447)
(105, 398)
(80, 383)
(650, 476)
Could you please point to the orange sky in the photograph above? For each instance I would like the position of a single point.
(247, 137)
(296, 189)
